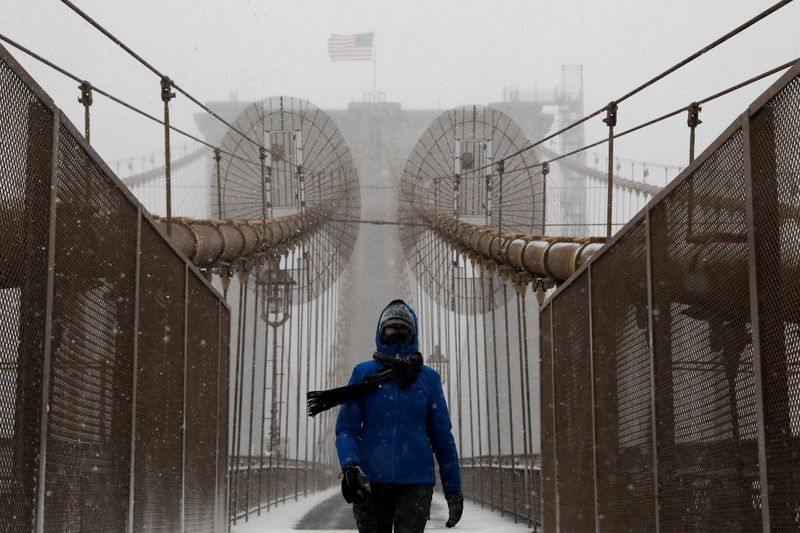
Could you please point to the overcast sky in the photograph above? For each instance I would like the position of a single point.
(430, 54)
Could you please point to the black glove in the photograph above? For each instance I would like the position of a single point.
(355, 485)
(455, 504)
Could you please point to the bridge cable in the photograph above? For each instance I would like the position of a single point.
(521, 289)
(236, 397)
(497, 398)
(469, 374)
(510, 400)
(654, 120)
(287, 339)
(648, 83)
(253, 367)
(116, 100)
(486, 394)
(158, 73)
(265, 305)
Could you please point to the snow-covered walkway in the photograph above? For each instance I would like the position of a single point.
(327, 511)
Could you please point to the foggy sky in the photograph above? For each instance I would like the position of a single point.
(430, 54)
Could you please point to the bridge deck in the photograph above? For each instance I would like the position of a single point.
(327, 511)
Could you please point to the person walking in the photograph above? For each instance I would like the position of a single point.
(393, 421)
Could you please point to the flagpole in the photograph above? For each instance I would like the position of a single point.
(374, 69)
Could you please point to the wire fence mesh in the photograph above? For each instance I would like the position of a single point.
(113, 406)
(675, 408)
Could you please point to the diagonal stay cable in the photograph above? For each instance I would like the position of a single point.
(155, 71)
(113, 98)
(663, 117)
(750, 22)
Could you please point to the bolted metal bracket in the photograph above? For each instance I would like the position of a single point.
(166, 89)
(611, 114)
(86, 94)
(693, 115)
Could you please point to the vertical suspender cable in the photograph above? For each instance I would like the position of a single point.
(486, 381)
(526, 356)
(469, 376)
(289, 362)
(261, 473)
(252, 398)
(457, 327)
(499, 465)
(510, 404)
(298, 411)
(475, 295)
(524, 400)
(236, 397)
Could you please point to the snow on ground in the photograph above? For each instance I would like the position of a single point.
(285, 517)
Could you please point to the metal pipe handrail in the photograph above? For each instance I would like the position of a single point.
(210, 242)
(556, 258)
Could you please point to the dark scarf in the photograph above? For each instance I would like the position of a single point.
(404, 369)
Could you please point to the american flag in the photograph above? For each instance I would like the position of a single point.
(354, 47)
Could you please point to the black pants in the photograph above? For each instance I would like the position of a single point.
(407, 507)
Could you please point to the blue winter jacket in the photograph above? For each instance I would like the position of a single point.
(393, 434)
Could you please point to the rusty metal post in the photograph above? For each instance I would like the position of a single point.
(135, 377)
(756, 326)
(611, 121)
(692, 120)
(220, 208)
(48, 328)
(545, 172)
(87, 100)
(166, 96)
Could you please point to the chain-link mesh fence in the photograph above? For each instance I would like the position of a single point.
(670, 387)
(113, 361)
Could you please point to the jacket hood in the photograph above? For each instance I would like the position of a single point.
(397, 310)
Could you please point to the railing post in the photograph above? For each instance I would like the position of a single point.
(87, 100)
(611, 121)
(166, 96)
(693, 120)
(755, 322)
(48, 326)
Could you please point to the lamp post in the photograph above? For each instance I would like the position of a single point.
(276, 309)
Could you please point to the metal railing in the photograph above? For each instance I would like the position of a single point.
(114, 405)
(669, 383)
